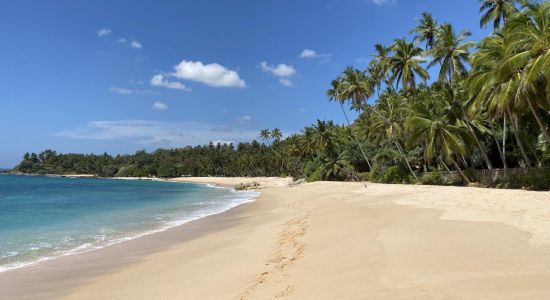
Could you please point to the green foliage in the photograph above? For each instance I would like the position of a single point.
(432, 178)
(392, 174)
(492, 113)
(538, 180)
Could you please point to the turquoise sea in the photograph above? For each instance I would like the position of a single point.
(46, 217)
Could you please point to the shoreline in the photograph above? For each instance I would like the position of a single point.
(384, 241)
(33, 281)
(78, 250)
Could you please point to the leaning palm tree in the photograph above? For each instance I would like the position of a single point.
(405, 64)
(439, 137)
(496, 11)
(527, 42)
(426, 30)
(387, 124)
(511, 69)
(450, 53)
(356, 87)
(337, 93)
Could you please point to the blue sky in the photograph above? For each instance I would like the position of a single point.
(118, 76)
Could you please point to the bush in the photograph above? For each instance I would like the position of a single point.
(432, 178)
(365, 176)
(393, 174)
(538, 180)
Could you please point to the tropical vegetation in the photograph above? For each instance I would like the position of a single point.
(487, 107)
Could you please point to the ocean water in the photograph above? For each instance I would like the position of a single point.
(46, 217)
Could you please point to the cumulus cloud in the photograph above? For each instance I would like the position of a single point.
(283, 71)
(156, 133)
(160, 106)
(214, 75)
(280, 70)
(136, 45)
(103, 32)
(161, 81)
(119, 90)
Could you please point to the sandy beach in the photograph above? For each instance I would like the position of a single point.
(323, 240)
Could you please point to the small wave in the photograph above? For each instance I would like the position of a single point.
(102, 240)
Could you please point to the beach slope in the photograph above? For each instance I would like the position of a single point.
(344, 241)
(323, 240)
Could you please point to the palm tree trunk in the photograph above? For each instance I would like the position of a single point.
(478, 142)
(460, 172)
(400, 149)
(444, 165)
(518, 140)
(539, 121)
(504, 142)
(355, 136)
(498, 146)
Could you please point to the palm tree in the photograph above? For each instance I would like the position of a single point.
(388, 121)
(426, 30)
(355, 87)
(450, 52)
(455, 96)
(336, 93)
(276, 134)
(439, 136)
(265, 134)
(496, 11)
(405, 64)
(510, 70)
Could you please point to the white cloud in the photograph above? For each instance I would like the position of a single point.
(280, 70)
(285, 82)
(301, 110)
(308, 53)
(383, 2)
(122, 40)
(118, 90)
(103, 32)
(136, 45)
(244, 119)
(160, 106)
(214, 74)
(159, 80)
(156, 133)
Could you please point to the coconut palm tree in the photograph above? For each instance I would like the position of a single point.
(496, 11)
(276, 134)
(265, 134)
(405, 64)
(439, 136)
(426, 30)
(338, 93)
(434, 126)
(450, 52)
(387, 124)
(511, 69)
(355, 87)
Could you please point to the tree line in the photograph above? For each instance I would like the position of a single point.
(488, 108)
